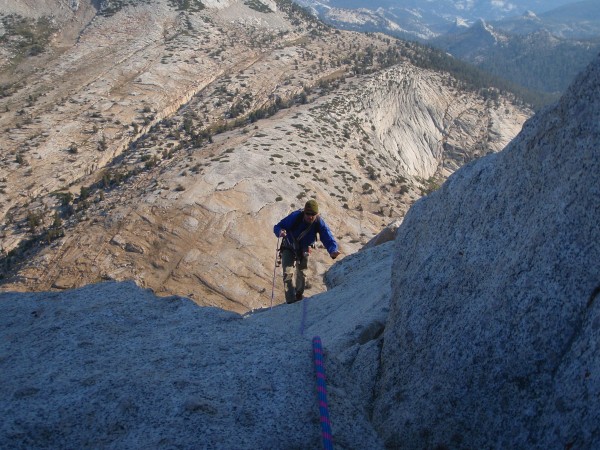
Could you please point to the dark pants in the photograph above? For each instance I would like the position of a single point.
(293, 269)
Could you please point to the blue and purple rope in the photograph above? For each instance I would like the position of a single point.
(322, 393)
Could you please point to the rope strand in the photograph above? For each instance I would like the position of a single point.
(274, 273)
(322, 394)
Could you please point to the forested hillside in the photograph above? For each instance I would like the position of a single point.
(538, 61)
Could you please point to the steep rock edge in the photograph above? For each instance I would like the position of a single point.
(492, 337)
(113, 365)
(164, 372)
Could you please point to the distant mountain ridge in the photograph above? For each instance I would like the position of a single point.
(580, 20)
(538, 60)
(527, 43)
(412, 19)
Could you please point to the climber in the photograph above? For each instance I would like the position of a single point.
(299, 233)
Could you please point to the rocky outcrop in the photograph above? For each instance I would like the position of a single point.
(385, 235)
(205, 218)
(112, 365)
(134, 114)
(492, 337)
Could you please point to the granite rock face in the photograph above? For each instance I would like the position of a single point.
(133, 113)
(492, 337)
(111, 365)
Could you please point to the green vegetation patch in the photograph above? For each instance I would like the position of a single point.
(297, 14)
(26, 36)
(187, 5)
(258, 6)
(111, 7)
(6, 90)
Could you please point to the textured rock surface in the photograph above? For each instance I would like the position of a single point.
(123, 109)
(193, 229)
(111, 365)
(492, 338)
(385, 235)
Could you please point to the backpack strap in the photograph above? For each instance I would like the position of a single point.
(305, 231)
(296, 241)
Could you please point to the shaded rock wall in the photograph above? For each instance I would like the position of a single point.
(492, 338)
(111, 365)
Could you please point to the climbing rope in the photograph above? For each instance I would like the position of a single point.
(274, 272)
(322, 394)
(326, 434)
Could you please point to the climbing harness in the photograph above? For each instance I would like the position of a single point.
(294, 243)
(322, 394)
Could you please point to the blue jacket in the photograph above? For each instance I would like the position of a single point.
(294, 225)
